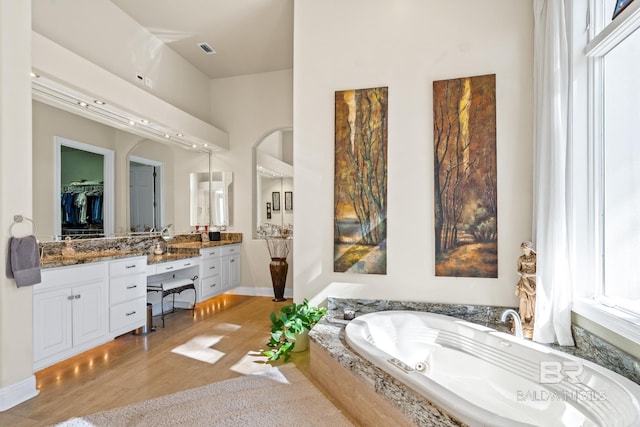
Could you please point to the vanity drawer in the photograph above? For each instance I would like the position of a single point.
(127, 287)
(210, 267)
(128, 315)
(230, 250)
(128, 266)
(166, 267)
(210, 287)
(210, 252)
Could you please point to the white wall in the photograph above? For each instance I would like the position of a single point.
(17, 382)
(249, 108)
(406, 45)
(102, 33)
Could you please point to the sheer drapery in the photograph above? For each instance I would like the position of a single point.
(550, 225)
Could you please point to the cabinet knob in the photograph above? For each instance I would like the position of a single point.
(70, 297)
(77, 296)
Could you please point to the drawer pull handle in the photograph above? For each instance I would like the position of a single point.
(169, 268)
(77, 296)
(132, 286)
(70, 297)
(130, 266)
(232, 260)
(187, 264)
(212, 268)
(213, 285)
(131, 313)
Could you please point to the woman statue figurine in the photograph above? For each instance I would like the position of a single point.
(526, 288)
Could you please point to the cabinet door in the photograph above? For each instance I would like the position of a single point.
(52, 331)
(230, 272)
(235, 271)
(90, 312)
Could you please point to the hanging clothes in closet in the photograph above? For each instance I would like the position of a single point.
(81, 207)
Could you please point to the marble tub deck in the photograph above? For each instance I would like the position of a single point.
(335, 362)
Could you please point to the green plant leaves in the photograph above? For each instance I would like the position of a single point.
(292, 319)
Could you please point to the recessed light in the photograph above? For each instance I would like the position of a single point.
(194, 146)
(97, 101)
(83, 104)
(180, 135)
(145, 121)
(166, 135)
(132, 123)
(34, 75)
(206, 145)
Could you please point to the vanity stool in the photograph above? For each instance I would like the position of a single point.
(173, 287)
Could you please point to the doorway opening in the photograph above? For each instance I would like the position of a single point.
(145, 195)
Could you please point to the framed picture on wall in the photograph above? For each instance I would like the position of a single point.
(268, 210)
(275, 198)
(288, 200)
(620, 5)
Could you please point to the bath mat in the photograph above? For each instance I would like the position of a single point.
(277, 396)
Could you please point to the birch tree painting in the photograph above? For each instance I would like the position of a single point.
(465, 178)
(360, 182)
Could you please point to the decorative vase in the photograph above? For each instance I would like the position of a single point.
(278, 268)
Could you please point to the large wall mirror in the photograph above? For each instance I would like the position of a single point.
(134, 200)
(273, 201)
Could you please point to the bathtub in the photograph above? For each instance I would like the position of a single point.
(483, 377)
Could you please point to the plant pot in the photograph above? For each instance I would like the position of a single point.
(302, 341)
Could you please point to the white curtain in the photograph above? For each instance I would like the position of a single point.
(551, 169)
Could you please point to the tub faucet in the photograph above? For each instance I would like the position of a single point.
(517, 323)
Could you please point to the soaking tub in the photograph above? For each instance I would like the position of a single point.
(488, 378)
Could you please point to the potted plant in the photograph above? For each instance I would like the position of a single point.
(290, 327)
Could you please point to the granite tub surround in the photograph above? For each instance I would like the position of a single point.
(329, 351)
(481, 314)
(597, 350)
(109, 248)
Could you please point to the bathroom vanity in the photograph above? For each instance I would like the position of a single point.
(101, 292)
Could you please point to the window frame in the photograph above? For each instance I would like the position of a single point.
(589, 46)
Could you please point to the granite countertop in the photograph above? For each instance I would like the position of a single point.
(52, 261)
(177, 251)
(200, 245)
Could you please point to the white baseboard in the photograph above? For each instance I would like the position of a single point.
(259, 292)
(18, 393)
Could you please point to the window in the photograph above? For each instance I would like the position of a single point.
(607, 62)
(621, 170)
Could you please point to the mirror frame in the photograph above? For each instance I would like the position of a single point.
(108, 214)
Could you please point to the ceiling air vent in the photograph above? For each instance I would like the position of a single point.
(206, 48)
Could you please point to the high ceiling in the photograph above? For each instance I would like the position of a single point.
(249, 36)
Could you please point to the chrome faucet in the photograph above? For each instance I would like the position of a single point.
(517, 323)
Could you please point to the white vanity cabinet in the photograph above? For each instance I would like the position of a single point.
(209, 273)
(70, 312)
(127, 295)
(230, 266)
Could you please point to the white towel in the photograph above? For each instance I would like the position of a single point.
(23, 260)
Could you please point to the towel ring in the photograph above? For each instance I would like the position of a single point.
(18, 219)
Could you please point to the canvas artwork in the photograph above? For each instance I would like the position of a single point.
(360, 182)
(465, 177)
